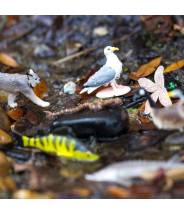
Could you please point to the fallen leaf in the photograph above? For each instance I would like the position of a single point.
(159, 26)
(83, 192)
(146, 69)
(41, 89)
(118, 192)
(29, 194)
(8, 60)
(4, 138)
(5, 122)
(5, 165)
(32, 117)
(15, 113)
(142, 191)
(174, 66)
(7, 184)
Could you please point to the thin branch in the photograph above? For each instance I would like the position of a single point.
(88, 50)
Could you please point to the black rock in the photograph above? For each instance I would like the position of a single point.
(104, 124)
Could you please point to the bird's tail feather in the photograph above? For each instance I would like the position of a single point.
(83, 90)
(89, 90)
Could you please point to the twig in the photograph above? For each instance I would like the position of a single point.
(88, 50)
(95, 106)
(73, 56)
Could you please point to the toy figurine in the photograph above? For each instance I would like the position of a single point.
(19, 83)
(59, 145)
(125, 172)
(157, 88)
(168, 118)
(107, 74)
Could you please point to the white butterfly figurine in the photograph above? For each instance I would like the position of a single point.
(157, 88)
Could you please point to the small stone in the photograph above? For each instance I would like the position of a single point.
(43, 51)
(4, 138)
(69, 88)
(73, 47)
(100, 31)
(103, 124)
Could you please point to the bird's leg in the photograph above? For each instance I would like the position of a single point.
(114, 86)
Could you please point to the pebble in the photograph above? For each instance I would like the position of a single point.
(73, 47)
(107, 123)
(100, 31)
(43, 51)
(69, 88)
(175, 139)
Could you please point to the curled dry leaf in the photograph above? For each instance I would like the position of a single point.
(174, 66)
(118, 192)
(41, 89)
(7, 184)
(5, 122)
(8, 60)
(5, 165)
(15, 113)
(4, 138)
(146, 69)
(83, 192)
(29, 194)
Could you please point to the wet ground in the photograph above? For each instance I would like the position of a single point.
(50, 45)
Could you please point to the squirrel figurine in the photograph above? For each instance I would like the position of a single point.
(21, 83)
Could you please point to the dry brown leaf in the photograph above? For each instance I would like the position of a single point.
(146, 69)
(174, 66)
(118, 192)
(5, 138)
(15, 113)
(83, 192)
(8, 60)
(41, 89)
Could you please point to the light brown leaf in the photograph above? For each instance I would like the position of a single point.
(174, 66)
(8, 60)
(146, 69)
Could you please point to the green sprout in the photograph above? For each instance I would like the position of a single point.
(172, 85)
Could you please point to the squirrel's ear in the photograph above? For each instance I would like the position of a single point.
(31, 72)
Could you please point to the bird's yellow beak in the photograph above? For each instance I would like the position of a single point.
(115, 49)
(170, 94)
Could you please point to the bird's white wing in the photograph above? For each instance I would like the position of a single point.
(101, 77)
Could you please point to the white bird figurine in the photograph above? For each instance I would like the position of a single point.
(107, 74)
